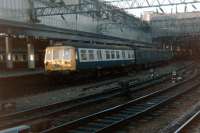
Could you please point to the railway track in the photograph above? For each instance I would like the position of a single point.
(108, 119)
(26, 116)
(186, 126)
(18, 118)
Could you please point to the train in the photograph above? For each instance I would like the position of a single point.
(77, 57)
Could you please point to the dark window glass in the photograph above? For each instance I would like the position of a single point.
(91, 54)
(83, 55)
(129, 54)
(123, 55)
(133, 55)
(107, 54)
(117, 55)
(113, 54)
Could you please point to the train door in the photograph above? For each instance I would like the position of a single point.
(73, 56)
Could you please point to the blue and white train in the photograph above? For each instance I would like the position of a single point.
(64, 57)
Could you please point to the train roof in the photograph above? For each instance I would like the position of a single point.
(103, 46)
(89, 45)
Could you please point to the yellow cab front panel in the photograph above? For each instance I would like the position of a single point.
(62, 64)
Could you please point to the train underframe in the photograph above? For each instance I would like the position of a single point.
(68, 76)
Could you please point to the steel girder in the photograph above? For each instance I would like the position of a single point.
(93, 8)
(96, 6)
(137, 4)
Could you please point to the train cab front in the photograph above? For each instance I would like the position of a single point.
(60, 59)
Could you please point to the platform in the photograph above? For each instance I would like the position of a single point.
(20, 73)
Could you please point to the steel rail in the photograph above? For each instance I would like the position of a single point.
(109, 118)
(187, 122)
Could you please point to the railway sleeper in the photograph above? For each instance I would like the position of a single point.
(133, 111)
(137, 107)
(117, 117)
(140, 107)
(74, 131)
(113, 118)
(99, 120)
(126, 112)
(97, 125)
(122, 115)
(156, 100)
(104, 121)
(88, 129)
(108, 120)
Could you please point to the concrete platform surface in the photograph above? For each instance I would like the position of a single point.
(20, 73)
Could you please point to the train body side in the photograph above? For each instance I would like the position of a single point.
(152, 55)
(101, 61)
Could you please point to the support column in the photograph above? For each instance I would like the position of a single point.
(31, 56)
(9, 61)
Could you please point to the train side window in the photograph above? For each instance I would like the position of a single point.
(113, 54)
(133, 54)
(120, 54)
(123, 54)
(129, 54)
(83, 54)
(107, 54)
(91, 55)
(117, 55)
(126, 54)
(103, 53)
(99, 55)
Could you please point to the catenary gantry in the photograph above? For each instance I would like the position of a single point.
(96, 9)
(136, 4)
(106, 9)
